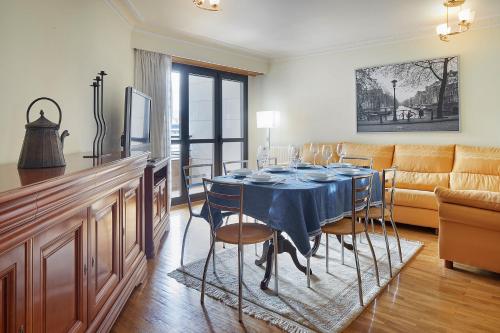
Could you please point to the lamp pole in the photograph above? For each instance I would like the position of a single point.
(394, 118)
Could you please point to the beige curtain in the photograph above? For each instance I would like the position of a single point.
(152, 77)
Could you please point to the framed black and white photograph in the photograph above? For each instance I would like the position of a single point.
(412, 96)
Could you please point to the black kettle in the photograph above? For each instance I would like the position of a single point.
(42, 146)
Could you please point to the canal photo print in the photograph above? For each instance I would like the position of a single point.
(413, 96)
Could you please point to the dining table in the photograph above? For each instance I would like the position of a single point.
(294, 202)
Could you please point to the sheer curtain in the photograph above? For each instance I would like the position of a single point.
(152, 77)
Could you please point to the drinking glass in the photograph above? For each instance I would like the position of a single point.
(339, 150)
(315, 151)
(326, 153)
(294, 157)
(263, 155)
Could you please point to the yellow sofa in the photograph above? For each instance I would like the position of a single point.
(469, 229)
(422, 168)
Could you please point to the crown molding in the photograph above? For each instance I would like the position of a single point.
(119, 12)
(481, 24)
(210, 46)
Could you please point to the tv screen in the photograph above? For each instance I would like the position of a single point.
(137, 120)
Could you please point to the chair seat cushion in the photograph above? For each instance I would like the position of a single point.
(343, 227)
(252, 233)
(375, 213)
(415, 198)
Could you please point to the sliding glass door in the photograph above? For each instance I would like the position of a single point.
(209, 122)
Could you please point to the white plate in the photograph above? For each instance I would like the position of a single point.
(350, 172)
(241, 172)
(329, 179)
(340, 165)
(271, 180)
(277, 169)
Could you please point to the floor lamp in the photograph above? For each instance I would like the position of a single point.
(268, 119)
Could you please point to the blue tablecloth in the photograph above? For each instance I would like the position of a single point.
(297, 206)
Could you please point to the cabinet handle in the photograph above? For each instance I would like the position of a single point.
(92, 262)
(21, 329)
(85, 269)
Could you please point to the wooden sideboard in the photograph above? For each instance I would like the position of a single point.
(72, 245)
(157, 204)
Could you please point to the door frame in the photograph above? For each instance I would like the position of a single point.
(218, 140)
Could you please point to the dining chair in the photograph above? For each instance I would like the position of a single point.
(361, 194)
(227, 197)
(193, 177)
(359, 161)
(240, 163)
(375, 213)
(270, 161)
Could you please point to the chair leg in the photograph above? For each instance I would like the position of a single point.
(255, 245)
(356, 259)
(327, 251)
(373, 226)
(275, 241)
(242, 258)
(212, 239)
(240, 283)
(384, 230)
(227, 221)
(184, 239)
(308, 273)
(212, 244)
(374, 257)
(397, 238)
(342, 250)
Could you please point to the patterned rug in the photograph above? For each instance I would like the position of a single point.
(331, 303)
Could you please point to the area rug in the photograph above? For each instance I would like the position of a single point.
(331, 303)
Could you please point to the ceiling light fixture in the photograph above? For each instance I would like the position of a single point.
(212, 5)
(465, 17)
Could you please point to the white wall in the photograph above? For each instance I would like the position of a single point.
(54, 48)
(316, 94)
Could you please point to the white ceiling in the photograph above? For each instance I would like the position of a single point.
(284, 28)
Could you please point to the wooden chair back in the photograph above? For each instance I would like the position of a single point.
(193, 177)
(361, 196)
(227, 165)
(359, 161)
(224, 197)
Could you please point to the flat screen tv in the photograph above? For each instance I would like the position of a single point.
(137, 127)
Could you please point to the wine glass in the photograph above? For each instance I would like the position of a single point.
(339, 151)
(262, 156)
(315, 151)
(326, 153)
(294, 156)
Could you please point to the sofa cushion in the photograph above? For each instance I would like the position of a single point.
(424, 158)
(476, 168)
(480, 160)
(421, 181)
(381, 154)
(415, 198)
(423, 167)
(472, 181)
(478, 199)
(308, 156)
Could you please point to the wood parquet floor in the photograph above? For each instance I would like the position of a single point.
(424, 297)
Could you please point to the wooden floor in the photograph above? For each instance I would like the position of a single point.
(424, 297)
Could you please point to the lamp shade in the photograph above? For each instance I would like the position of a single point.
(268, 119)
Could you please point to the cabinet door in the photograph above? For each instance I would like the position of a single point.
(156, 206)
(104, 255)
(132, 223)
(59, 276)
(163, 198)
(13, 290)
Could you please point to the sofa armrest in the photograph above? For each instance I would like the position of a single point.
(477, 199)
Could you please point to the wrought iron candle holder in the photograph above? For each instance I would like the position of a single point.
(98, 109)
